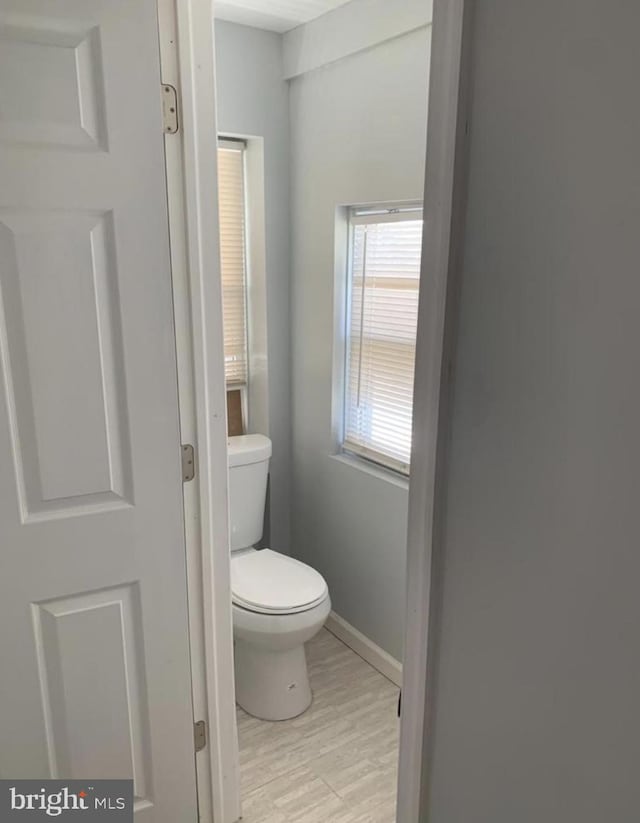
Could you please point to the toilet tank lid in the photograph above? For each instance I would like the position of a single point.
(245, 449)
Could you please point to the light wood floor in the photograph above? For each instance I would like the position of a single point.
(336, 763)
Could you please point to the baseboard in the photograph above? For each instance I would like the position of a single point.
(365, 648)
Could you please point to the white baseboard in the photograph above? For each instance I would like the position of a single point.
(365, 648)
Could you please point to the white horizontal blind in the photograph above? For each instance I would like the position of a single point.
(382, 323)
(231, 193)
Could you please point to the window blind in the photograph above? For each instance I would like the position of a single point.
(381, 336)
(231, 193)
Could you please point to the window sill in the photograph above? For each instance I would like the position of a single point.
(360, 464)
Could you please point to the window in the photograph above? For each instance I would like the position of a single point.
(234, 259)
(382, 316)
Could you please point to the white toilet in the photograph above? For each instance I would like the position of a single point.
(278, 603)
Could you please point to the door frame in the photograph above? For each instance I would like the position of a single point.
(442, 253)
(187, 62)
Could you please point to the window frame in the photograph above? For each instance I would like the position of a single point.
(233, 143)
(368, 214)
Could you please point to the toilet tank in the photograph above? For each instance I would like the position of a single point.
(248, 470)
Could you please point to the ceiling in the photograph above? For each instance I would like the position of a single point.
(275, 15)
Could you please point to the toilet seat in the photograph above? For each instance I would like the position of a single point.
(267, 582)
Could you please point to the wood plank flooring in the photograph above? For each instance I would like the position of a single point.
(336, 763)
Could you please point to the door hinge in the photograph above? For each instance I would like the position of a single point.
(169, 109)
(188, 463)
(199, 735)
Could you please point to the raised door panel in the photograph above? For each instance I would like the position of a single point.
(51, 89)
(90, 648)
(59, 298)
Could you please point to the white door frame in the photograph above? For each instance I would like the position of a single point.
(187, 61)
(444, 212)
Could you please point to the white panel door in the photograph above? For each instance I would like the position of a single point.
(94, 656)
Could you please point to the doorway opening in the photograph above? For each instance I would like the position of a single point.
(338, 279)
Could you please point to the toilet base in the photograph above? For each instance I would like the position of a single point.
(271, 685)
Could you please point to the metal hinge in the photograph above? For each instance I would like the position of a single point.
(169, 109)
(199, 735)
(188, 463)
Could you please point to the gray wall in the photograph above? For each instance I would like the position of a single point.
(537, 715)
(358, 135)
(253, 100)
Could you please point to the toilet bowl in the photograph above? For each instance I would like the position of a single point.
(279, 603)
(270, 630)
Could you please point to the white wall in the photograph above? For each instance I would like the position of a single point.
(536, 716)
(358, 134)
(252, 100)
(348, 29)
